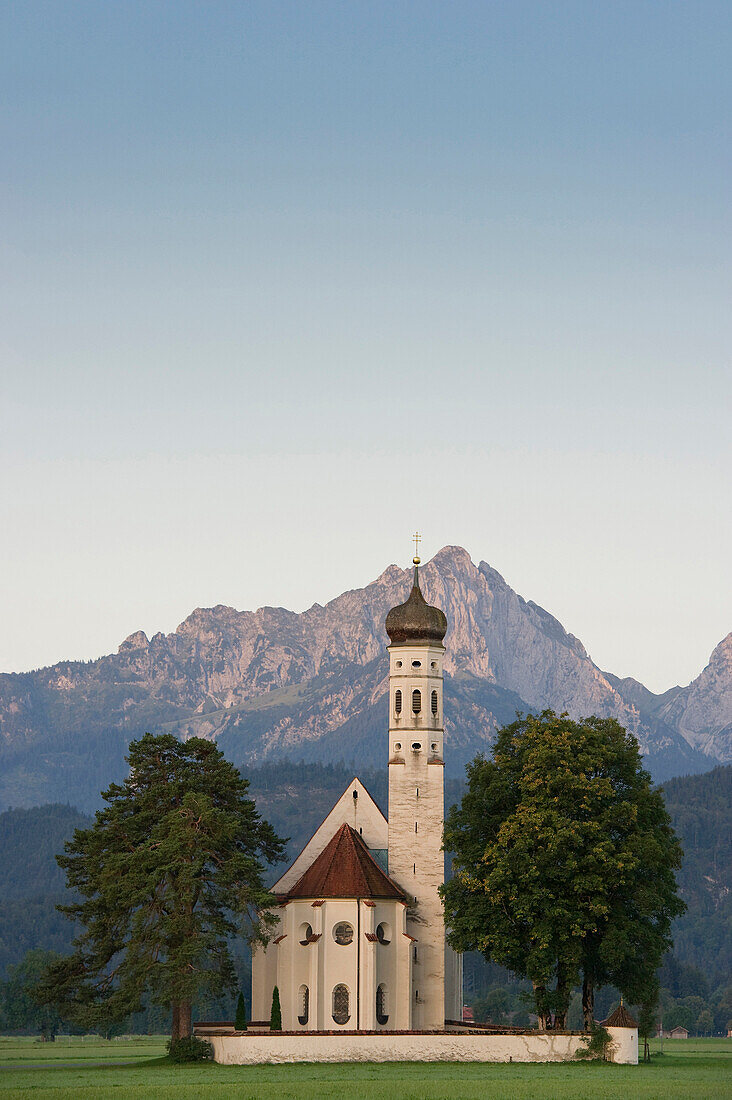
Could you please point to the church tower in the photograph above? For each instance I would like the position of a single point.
(416, 793)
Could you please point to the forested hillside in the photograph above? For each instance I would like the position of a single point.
(701, 810)
(31, 882)
(697, 976)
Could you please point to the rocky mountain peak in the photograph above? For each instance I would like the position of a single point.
(138, 640)
(702, 712)
(272, 683)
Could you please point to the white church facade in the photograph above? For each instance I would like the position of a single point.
(360, 944)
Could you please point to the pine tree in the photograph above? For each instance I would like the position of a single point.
(275, 1018)
(240, 1020)
(169, 872)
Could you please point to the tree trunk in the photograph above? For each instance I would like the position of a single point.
(540, 1004)
(182, 1020)
(563, 995)
(186, 1019)
(588, 1004)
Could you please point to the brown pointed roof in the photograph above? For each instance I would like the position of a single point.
(620, 1018)
(345, 869)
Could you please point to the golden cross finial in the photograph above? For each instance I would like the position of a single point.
(417, 539)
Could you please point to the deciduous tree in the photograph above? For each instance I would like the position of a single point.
(564, 862)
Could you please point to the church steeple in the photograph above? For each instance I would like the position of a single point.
(416, 792)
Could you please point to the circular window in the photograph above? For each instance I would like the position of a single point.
(434, 664)
(398, 664)
(343, 933)
(435, 746)
(383, 933)
(416, 664)
(397, 746)
(306, 931)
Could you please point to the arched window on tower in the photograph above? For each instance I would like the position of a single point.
(398, 701)
(434, 703)
(416, 701)
(303, 1004)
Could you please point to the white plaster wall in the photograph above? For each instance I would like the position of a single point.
(623, 1048)
(295, 964)
(386, 957)
(252, 1049)
(264, 975)
(340, 962)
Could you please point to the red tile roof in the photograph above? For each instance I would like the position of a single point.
(345, 869)
(620, 1018)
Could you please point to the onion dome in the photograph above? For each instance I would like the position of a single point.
(416, 621)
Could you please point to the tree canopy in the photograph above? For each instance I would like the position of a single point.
(171, 870)
(564, 861)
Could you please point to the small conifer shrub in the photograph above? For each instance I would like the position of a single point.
(275, 1019)
(240, 1020)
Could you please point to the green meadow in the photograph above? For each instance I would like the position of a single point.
(81, 1069)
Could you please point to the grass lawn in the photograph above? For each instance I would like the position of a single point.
(81, 1069)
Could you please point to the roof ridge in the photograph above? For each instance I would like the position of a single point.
(345, 868)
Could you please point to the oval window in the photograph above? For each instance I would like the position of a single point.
(383, 933)
(416, 701)
(341, 1004)
(416, 746)
(416, 664)
(343, 933)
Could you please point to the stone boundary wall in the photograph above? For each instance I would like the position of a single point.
(256, 1049)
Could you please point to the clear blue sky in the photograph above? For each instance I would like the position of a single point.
(282, 281)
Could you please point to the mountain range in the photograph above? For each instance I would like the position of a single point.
(273, 684)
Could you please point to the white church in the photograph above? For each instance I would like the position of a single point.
(360, 944)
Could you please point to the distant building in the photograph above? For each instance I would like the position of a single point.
(674, 1033)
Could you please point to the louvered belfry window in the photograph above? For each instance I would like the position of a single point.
(341, 1004)
(398, 701)
(416, 701)
(434, 703)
